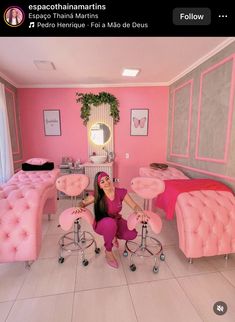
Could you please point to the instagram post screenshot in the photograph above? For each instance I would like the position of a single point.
(117, 161)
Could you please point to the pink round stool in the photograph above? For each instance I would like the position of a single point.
(147, 188)
(73, 185)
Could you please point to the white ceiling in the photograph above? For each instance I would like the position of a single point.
(99, 61)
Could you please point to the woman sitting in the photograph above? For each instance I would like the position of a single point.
(108, 222)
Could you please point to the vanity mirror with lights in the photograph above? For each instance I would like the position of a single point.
(100, 133)
(100, 143)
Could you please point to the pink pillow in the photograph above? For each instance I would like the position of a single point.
(37, 161)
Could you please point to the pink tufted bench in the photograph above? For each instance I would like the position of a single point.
(206, 223)
(205, 218)
(168, 174)
(23, 200)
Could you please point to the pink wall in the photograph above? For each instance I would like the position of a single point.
(73, 141)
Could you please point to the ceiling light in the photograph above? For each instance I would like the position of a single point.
(44, 65)
(130, 72)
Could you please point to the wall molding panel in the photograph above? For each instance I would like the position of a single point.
(181, 120)
(13, 117)
(203, 171)
(210, 114)
(14, 130)
(220, 91)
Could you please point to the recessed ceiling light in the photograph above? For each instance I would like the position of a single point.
(44, 65)
(131, 72)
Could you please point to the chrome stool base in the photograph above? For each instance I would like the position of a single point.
(77, 241)
(148, 247)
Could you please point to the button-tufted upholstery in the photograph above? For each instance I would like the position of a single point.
(147, 188)
(154, 220)
(34, 176)
(147, 245)
(76, 240)
(23, 200)
(69, 215)
(168, 174)
(206, 223)
(72, 184)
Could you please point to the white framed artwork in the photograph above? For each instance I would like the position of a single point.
(139, 122)
(52, 122)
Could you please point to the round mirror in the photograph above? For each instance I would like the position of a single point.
(100, 133)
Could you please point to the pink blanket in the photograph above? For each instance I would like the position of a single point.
(173, 188)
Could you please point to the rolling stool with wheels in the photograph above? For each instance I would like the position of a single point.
(73, 185)
(147, 188)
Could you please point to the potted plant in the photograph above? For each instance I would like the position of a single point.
(97, 99)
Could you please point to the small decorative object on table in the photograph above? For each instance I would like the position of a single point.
(161, 166)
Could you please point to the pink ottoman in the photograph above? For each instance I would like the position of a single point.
(206, 223)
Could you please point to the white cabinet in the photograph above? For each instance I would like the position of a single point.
(92, 168)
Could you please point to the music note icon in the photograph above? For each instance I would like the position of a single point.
(31, 24)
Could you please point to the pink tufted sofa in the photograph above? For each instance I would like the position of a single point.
(23, 200)
(206, 223)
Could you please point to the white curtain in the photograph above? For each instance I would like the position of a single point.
(6, 158)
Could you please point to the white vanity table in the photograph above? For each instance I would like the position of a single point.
(92, 168)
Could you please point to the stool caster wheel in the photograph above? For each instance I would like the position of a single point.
(133, 267)
(125, 253)
(155, 269)
(162, 257)
(97, 250)
(61, 260)
(85, 262)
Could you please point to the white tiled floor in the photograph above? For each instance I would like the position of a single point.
(70, 292)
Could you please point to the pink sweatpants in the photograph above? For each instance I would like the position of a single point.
(111, 227)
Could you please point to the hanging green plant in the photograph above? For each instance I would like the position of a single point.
(92, 99)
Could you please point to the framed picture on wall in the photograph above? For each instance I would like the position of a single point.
(139, 121)
(52, 122)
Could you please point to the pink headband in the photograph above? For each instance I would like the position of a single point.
(101, 175)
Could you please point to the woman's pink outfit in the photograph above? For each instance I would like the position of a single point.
(114, 225)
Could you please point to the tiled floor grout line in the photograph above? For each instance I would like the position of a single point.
(129, 289)
(198, 313)
(227, 269)
(16, 298)
(10, 310)
(133, 305)
(40, 296)
(26, 275)
(74, 290)
(170, 268)
(227, 279)
(101, 288)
